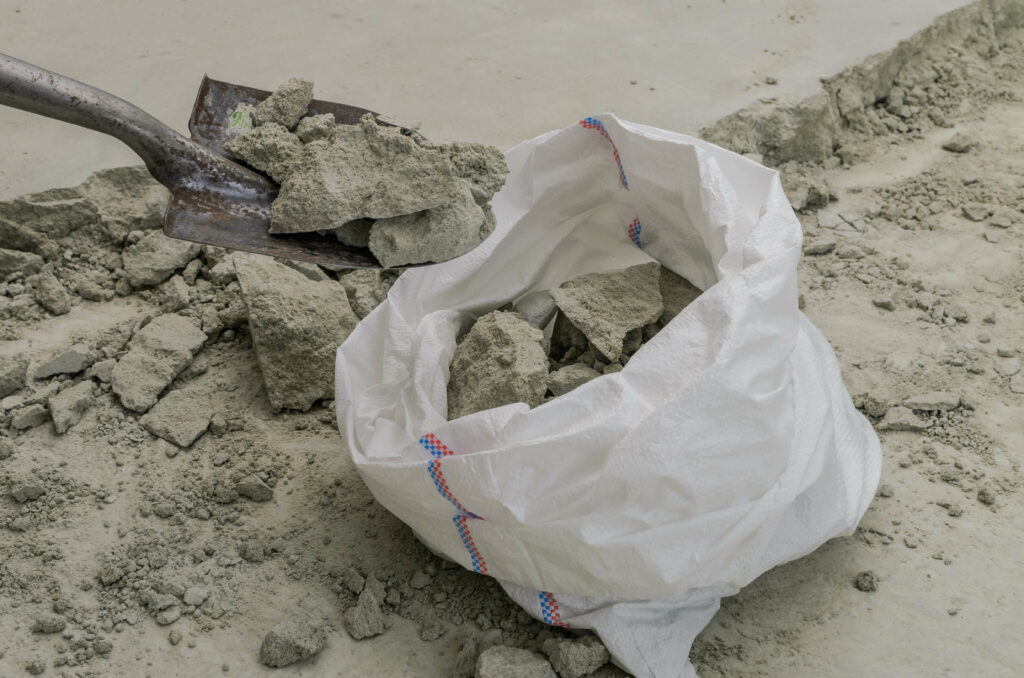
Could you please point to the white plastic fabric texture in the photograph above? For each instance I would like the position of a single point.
(632, 504)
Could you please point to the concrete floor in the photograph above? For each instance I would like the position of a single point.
(496, 72)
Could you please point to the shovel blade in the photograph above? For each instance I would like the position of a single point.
(209, 215)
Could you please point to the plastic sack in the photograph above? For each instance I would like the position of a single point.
(632, 504)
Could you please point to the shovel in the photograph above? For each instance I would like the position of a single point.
(214, 200)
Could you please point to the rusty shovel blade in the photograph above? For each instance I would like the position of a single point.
(241, 221)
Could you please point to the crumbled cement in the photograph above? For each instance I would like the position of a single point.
(935, 401)
(291, 641)
(195, 596)
(13, 369)
(286, 105)
(48, 623)
(178, 418)
(68, 406)
(362, 171)
(315, 127)
(70, 361)
(26, 490)
(157, 353)
(253, 488)
(606, 306)
(500, 361)
(365, 619)
(676, 294)
(22, 263)
(355, 233)
(50, 293)
(563, 380)
(154, 258)
(572, 658)
(28, 417)
(501, 661)
(297, 325)
(270, 148)
(437, 234)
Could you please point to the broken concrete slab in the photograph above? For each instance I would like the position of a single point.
(606, 306)
(365, 619)
(362, 171)
(156, 354)
(563, 380)
(154, 258)
(15, 261)
(271, 149)
(70, 361)
(902, 419)
(286, 105)
(500, 361)
(575, 658)
(502, 661)
(28, 417)
(13, 370)
(297, 325)
(68, 406)
(178, 418)
(436, 234)
(935, 401)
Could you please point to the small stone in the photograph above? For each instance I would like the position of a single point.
(195, 595)
(49, 623)
(36, 667)
(50, 294)
(1006, 351)
(218, 424)
(70, 361)
(168, 615)
(365, 619)
(820, 246)
(68, 406)
(12, 373)
(1017, 383)
(103, 647)
(26, 490)
(173, 294)
(102, 370)
(902, 419)
(1007, 367)
(934, 401)
(975, 211)
(885, 490)
(987, 496)
(28, 417)
(251, 487)
(501, 661)
(960, 143)
(174, 636)
(572, 658)
(420, 580)
(291, 641)
(992, 236)
(178, 417)
(866, 581)
(954, 511)
(885, 303)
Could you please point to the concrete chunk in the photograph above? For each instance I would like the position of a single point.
(15, 261)
(178, 418)
(154, 258)
(606, 306)
(297, 325)
(68, 406)
(271, 149)
(572, 658)
(902, 419)
(569, 377)
(500, 361)
(50, 294)
(12, 373)
(156, 355)
(934, 401)
(286, 105)
(70, 361)
(510, 662)
(291, 641)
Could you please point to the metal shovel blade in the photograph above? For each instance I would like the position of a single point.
(216, 218)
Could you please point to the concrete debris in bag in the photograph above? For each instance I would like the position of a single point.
(406, 199)
(602, 319)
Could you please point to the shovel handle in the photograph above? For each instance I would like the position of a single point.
(38, 90)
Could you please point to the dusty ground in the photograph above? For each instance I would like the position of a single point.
(912, 270)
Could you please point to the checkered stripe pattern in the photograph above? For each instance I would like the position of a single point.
(439, 451)
(634, 231)
(595, 124)
(479, 565)
(549, 609)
